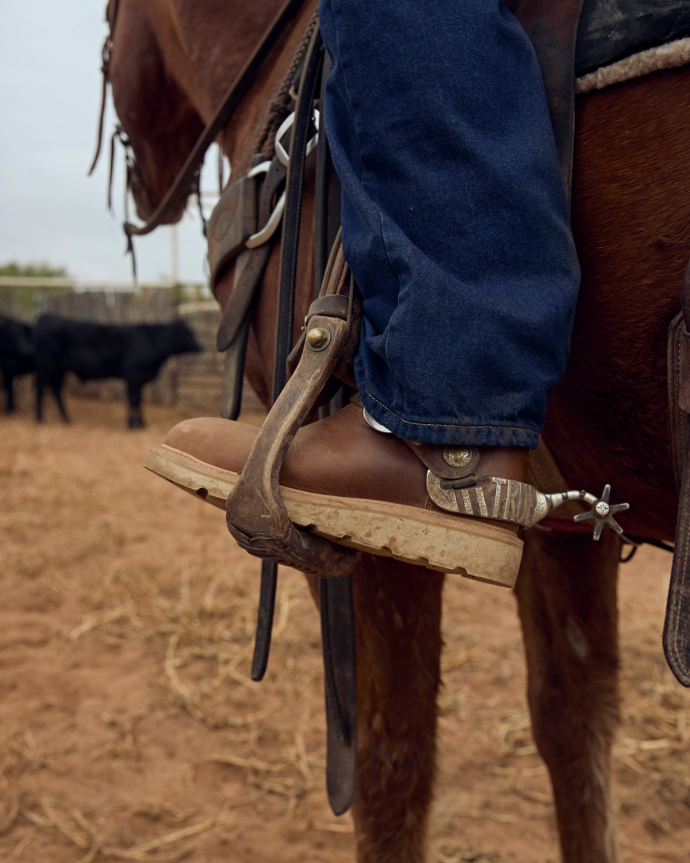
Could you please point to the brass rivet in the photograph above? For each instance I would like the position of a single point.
(457, 456)
(318, 339)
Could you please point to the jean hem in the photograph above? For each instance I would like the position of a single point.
(450, 434)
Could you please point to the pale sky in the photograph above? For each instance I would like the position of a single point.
(49, 99)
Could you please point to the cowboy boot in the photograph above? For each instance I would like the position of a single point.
(453, 509)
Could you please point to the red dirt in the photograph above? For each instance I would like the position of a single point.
(129, 728)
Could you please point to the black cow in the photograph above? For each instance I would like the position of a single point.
(16, 354)
(131, 352)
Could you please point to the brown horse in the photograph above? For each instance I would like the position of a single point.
(172, 61)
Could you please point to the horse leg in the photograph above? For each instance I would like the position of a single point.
(398, 614)
(566, 594)
(398, 622)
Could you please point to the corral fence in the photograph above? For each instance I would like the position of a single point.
(191, 383)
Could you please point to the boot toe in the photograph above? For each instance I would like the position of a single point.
(213, 440)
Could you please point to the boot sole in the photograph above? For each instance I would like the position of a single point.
(419, 536)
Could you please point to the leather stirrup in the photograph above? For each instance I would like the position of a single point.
(256, 515)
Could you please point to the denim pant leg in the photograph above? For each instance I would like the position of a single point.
(455, 223)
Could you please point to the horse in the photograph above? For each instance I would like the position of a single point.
(170, 65)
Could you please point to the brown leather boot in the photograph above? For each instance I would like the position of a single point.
(345, 481)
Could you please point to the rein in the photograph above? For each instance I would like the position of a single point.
(106, 51)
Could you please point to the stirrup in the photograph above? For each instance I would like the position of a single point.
(255, 512)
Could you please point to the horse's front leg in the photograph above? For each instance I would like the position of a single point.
(398, 619)
(398, 613)
(566, 595)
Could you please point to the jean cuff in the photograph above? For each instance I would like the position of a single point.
(448, 434)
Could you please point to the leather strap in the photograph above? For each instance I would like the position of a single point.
(179, 190)
(676, 639)
(293, 209)
(250, 264)
(333, 305)
(233, 221)
(233, 374)
(340, 679)
(249, 269)
(286, 304)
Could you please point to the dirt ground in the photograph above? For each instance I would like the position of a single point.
(129, 727)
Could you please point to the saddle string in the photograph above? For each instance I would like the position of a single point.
(120, 135)
(129, 249)
(196, 190)
(279, 108)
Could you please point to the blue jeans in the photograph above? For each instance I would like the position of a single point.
(455, 223)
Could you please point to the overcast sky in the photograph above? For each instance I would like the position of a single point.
(50, 95)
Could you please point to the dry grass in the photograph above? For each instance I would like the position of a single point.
(129, 726)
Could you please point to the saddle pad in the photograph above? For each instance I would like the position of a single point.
(612, 30)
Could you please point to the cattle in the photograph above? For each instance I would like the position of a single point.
(16, 354)
(131, 352)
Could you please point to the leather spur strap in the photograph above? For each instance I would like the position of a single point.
(676, 637)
